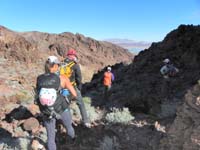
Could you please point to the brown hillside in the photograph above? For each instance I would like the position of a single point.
(93, 55)
(22, 56)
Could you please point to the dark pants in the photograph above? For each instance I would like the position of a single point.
(107, 102)
(81, 106)
(51, 125)
(106, 91)
(165, 90)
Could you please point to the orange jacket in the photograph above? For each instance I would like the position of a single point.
(107, 78)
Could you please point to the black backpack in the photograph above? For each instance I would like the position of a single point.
(48, 93)
(172, 71)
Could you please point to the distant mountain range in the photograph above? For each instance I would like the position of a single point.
(130, 44)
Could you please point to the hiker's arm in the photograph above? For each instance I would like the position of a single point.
(112, 76)
(78, 76)
(65, 83)
(163, 70)
(36, 89)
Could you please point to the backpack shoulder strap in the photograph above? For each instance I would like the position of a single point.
(70, 64)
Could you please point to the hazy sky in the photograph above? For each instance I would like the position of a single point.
(140, 20)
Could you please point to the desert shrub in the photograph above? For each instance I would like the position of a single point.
(74, 109)
(92, 113)
(87, 100)
(23, 97)
(198, 82)
(119, 116)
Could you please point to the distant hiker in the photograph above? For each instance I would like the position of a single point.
(107, 81)
(72, 70)
(52, 104)
(168, 71)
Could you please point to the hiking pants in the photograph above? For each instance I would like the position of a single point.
(81, 106)
(165, 90)
(107, 91)
(107, 103)
(50, 126)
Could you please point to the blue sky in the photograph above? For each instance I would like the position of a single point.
(140, 20)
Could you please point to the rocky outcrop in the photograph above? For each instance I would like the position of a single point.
(93, 55)
(27, 46)
(16, 47)
(184, 133)
(21, 130)
(139, 85)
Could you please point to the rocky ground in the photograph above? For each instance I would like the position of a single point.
(21, 129)
(184, 132)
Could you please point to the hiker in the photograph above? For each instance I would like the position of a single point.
(107, 81)
(168, 71)
(52, 104)
(72, 69)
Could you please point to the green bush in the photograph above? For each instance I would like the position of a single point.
(74, 109)
(23, 97)
(198, 82)
(87, 100)
(119, 116)
(92, 113)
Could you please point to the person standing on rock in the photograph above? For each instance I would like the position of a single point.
(107, 81)
(52, 104)
(168, 71)
(71, 69)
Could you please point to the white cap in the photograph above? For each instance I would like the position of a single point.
(53, 59)
(166, 60)
(109, 68)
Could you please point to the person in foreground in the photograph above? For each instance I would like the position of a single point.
(71, 63)
(52, 104)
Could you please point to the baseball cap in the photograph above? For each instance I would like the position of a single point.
(53, 60)
(109, 68)
(166, 60)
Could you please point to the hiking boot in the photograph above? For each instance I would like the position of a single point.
(87, 125)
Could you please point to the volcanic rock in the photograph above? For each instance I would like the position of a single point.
(31, 124)
(139, 85)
